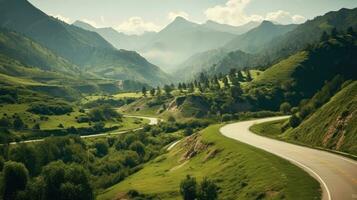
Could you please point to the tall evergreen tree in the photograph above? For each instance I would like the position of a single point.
(144, 91)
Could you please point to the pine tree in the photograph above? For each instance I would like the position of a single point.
(334, 33)
(240, 76)
(179, 87)
(351, 31)
(144, 91)
(225, 82)
(249, 76)
(152, 92)
(324, 36)
(158, 91)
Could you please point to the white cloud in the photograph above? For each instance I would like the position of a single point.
(62, 18)
(298, 19)
(136, 25)
(233, 13)
(284, 17)
(173, 15)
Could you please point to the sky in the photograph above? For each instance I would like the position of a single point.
(138, 16)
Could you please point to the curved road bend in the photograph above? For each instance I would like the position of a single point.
(336, 174)
(152, 121)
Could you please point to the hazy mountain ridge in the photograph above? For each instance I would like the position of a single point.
(229, 28)
(118, 39)
(237, 51)
(310, 32)
(180, 40)
(254, 40)
(197, 63)
(176, 42)
(79, 46)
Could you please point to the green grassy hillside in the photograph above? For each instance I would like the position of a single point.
(301, 75)
(334, 125)
(241, 171)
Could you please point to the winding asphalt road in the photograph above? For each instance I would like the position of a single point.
(152, 121)
(336, 174)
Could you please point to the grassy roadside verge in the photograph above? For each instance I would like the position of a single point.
(240, 170)
(272, 129)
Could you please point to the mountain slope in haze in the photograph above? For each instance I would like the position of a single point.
(81, 47)
(180, 40)
(16, 46)
(334, 125)
(310, 32)
(117, 39)
(255, 39)
(230, 29)
(198, 63)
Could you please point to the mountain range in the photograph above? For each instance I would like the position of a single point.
(176, 42)
(270, 43)
(83, 48)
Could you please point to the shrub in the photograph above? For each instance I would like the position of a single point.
(15, 177)
(131, 159)
(285, 107)
(103, 113)
(5, 122)
(7, 99)
(18, 123)
(101, 147)
(294, 121)
(36, 126)
(188, 188)
(208, 190)
(57, 108)
(188, 131)
(226, 117)
(138, 147)
(171, 119)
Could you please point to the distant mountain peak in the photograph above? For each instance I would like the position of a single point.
(84, 25)
(211, 22)
(180, 19)
(266, 22)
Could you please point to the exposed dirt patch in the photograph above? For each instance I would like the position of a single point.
(121, 196)
(335, 135)
(193, 146)
(211, 154)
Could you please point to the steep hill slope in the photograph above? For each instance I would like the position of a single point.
(302, 74)
(334, 125)
(31, 53)
(84, 48)
(180, 40)
(255, 39)
(241, 171)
